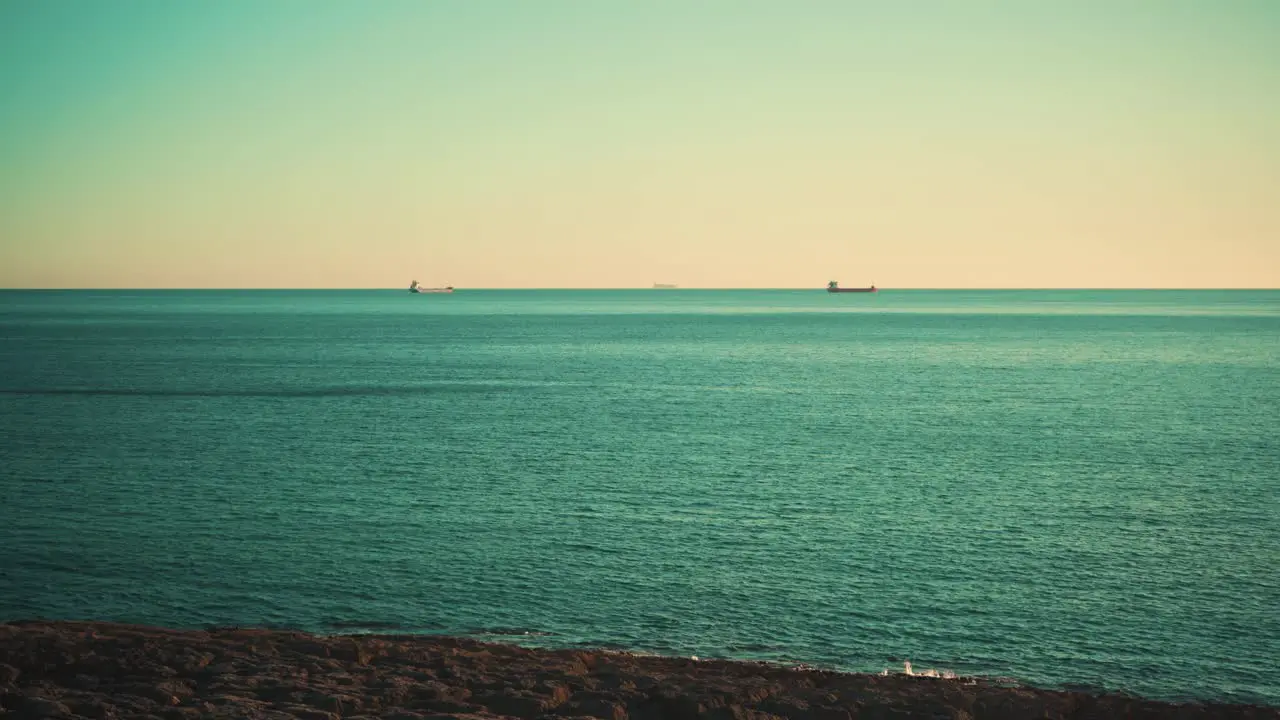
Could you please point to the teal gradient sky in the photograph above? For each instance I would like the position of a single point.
(606, 144)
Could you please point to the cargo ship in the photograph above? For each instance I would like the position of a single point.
(415, 288)
(834, 286)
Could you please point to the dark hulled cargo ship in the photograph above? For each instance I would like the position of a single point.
(834, 287)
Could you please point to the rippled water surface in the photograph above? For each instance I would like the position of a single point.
(1066, 487)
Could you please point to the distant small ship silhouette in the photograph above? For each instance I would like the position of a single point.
(415, 288)
(834, 287)
(663, 286)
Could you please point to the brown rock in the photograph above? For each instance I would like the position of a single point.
(597, 706)
(104, 670)
(313, 714)
(829, 713)
(557, 693)
(195, 661)
(39, 707)
(518, 704)
(309, 647)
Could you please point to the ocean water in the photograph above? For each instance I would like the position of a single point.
(1068, 488)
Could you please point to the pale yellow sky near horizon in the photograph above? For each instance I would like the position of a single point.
(573, 144)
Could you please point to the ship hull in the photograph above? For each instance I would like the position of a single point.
(851, 290)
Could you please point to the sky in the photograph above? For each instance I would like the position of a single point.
(583, 144)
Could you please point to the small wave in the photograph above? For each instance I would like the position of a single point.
(616, 649)
(346, 391)
(363, 625)
(250, 627)
(756, 648)
(509, 632)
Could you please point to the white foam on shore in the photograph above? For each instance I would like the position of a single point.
(930, 672)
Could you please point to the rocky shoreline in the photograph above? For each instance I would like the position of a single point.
(106, 670)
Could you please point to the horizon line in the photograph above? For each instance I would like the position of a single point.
(599, 289)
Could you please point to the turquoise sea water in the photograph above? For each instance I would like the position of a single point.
(1064, 487)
